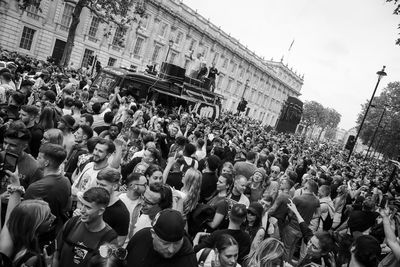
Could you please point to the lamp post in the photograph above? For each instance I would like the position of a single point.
(381, 74)
(376, 130)
(170, 44)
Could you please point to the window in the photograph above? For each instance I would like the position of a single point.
(178, 38)
(238, 86)
(228, 88)
(156, 53)
(87, 58)
(215, 59)
(137, 50)
(144, 22)
(187, 62)
(111, 61)
(192, 45)
(27, 38)
(163, 29)
(225, 63)
(67, 16)
(94, 26)
(172, 57)
(241, 71)
(220, 80)
(118, 39)
(233, 69)
(32, 11)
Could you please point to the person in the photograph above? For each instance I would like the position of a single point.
(136, 186)
(66, 125)
(163, 244)
(154, 174)
(279, 209)
(16, 140)
(28, 115)
(253, 224)
(307, 204)
(327, 207)
(54, 187)
(256, 186)
(190, 192)
(86, 119)
(225, 253)
(47, 118)
(365, 252)
(209, 178)
(212, 75)
(270, 252)
(53, 136)
(239, 187)
(19, 237)
(87, 177)
(248, 167)
(116, 214)
(237, 216)
(81, 135)
(82, 235)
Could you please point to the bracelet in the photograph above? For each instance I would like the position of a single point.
(14, 188)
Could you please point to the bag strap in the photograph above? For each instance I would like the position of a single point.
(204, 255)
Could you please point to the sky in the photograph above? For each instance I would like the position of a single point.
(339, 45)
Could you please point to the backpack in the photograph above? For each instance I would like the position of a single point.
(198, 218)
(327, 223)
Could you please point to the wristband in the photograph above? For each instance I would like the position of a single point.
(14, 188)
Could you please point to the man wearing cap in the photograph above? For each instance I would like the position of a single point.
(237, 216)
(66, 125)
(28, 115)
(163, 244)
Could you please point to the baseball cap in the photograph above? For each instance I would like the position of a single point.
(169, 225)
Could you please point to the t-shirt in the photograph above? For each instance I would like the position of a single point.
(174, 180)
(281, 209)
(54, 189)
(306, 204)
(117, 216)
(141, 253)
(86, 179)
(208, 185)
(76, 250)
(28, 170)
(36, 137)
(130, 205)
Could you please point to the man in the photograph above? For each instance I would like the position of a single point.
(28, 115)
(82, 235)
(246, 168)
(87, 177)
(209, 178)
(238, 189)
(82, 135)
(86, 119)
(237, 216)
(136, 186)
(108, 119)
(327, 207)
(116, 214)
(275, 171)
(307, 204)
(54, 187)
(279, 209)
(164, 244)
(16, 140)
(212, 75)
(66, 125)
(150, 156)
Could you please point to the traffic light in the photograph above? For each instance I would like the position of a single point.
(351, 141)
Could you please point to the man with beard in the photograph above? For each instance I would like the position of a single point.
(87, 177)
(116, 214)
(163, 244)
(82, 235)
(111, 133)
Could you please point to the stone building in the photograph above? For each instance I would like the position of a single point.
(169, 27)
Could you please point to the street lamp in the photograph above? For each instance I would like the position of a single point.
(376, 130)
(381, 74)
(245, 87)
(170, 44)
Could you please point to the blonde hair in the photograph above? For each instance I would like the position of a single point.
(266, 254)
(192, 184)
(55, 136)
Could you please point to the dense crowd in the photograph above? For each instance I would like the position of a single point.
(87, 181)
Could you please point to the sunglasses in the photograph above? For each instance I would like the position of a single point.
(107, 251)
(251, 213)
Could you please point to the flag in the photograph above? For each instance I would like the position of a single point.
(290, 47)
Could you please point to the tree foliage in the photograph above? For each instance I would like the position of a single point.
(387, 139)
(396, 12)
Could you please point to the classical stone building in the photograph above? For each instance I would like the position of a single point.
(170, 27)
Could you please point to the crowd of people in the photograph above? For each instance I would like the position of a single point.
(125, 182)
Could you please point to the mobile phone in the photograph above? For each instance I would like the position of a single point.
(10, 162)
(50, 248)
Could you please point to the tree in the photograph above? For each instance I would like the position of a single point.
(312, 113)
(118, 12)
(396, 12)
(387, 139)
(330, 119)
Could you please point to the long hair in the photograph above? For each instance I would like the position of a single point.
(191, 186)
(47, 118)
(24, 222)
(266, 254)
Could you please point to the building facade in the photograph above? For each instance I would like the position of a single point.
(43, 33)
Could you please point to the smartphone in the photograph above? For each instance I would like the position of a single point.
(10, 162)
(50, 248)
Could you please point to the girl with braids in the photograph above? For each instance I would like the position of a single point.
(221, 202)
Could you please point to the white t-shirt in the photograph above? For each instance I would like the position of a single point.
(130, 205)
(143, 221)
(86, 179)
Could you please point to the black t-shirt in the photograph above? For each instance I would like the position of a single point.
(36, 138)
(235, 197)
(117, 216)
(208, 185)
(174, 180)
(212, 73)
(128, 168)
(142, 254)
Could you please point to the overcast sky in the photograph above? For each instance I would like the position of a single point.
(339, 44)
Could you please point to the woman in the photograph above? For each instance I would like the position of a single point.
(253, 224)
(190, 192)
(154, 174)
(53, 136)
(225, 253)
(227, 167)
(220, 202)
(47, 119)
(19, 238)
(256, 185)
(269, 253)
